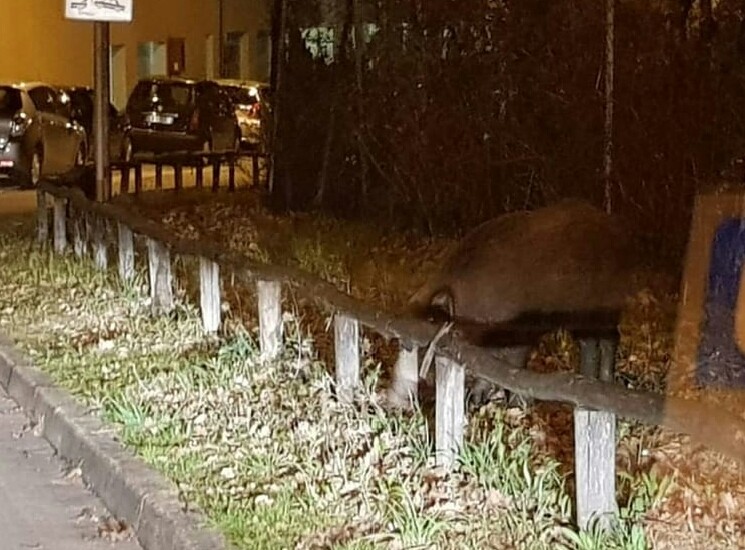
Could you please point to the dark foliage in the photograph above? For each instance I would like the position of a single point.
(471, 112)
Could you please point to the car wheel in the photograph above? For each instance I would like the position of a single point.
(127, 150)
(206, 149)
(34, 170)
(80, 157)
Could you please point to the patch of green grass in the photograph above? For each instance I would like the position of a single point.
(408, 516)
(315, 256)
(264, 448)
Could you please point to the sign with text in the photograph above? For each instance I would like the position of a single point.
(99, 10)
(710, 336)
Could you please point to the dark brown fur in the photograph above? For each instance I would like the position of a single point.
(562, 258)
(566, 258)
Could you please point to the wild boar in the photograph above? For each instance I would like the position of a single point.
(565, 258)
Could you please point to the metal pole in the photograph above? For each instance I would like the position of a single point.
(101, 109)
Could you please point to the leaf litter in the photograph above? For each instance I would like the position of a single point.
(701, 506)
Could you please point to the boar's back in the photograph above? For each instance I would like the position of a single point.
(567, 257)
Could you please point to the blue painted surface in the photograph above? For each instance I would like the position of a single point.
(720, 361)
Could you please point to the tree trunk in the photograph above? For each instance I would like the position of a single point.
(359, 44)
(609, 73)
(707, 25)
(684, 7)
(323, 176)
(279, 25)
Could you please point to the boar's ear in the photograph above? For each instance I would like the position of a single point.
(442, 302)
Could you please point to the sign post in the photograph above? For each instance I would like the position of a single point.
(101, 12)
(100, 109)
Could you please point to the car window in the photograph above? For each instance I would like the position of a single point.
(140, 96)
(43, 99)
(81, 107)
(225, 105)
(208, 98)
(82, 103)
(10, 101)
(207, 92)
(177, 95)
(62, 104)
(243, 96)
(169, 95)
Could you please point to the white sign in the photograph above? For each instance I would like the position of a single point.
(99, 10)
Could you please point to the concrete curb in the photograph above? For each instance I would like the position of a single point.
(130, 489)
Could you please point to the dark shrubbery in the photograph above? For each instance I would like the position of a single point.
(475, 111)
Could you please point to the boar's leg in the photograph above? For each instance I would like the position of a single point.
(519, 358)
(404, 389)
(516, 356)
(598, 358)
(589, 358)
(608, 359)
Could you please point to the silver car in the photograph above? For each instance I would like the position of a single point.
(37, 134)
(247, 97)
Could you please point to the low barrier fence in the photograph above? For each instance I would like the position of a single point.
(132, 176)
(596, 399)
(196, 161)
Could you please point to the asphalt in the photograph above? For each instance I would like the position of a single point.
(45, 505)
(14, 200)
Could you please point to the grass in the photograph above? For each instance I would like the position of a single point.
(264, 449)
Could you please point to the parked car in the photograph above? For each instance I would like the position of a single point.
(249, 100)
(181, 114)
(38, 136)
(82, 101)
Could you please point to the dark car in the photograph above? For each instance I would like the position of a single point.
(249, 101)
(82, 101)
(180, 114)
(38, 137)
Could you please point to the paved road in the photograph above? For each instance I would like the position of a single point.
(13, 201)
(44, 505)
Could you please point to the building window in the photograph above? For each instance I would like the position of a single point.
(151, 59)
(176, 56)
(263, 55)
(118, 75)
(235, 55)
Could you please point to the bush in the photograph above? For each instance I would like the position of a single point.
(464, 114)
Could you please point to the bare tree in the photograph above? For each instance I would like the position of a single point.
(609, 73)
(707, 25)
(683, 9)
(279, 26)
(359, 44)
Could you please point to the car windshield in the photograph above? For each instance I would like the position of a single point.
(169, 95)
(10, 101)
(243, 96)
(82, 102)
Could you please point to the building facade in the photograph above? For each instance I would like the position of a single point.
(167, 37)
